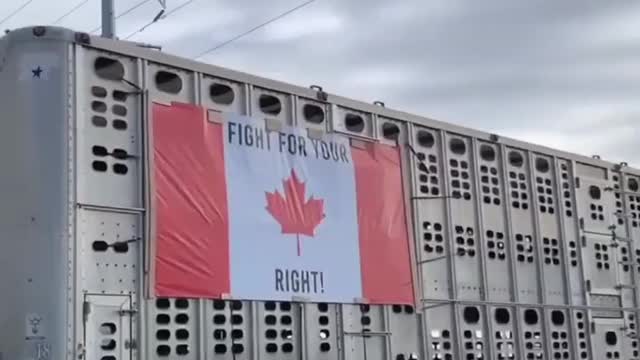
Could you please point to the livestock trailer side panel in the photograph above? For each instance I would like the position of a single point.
(511, 250)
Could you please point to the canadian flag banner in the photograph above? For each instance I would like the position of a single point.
(245, 212)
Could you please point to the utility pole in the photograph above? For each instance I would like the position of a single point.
(108, 19)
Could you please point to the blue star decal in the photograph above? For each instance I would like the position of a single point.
(37, 72)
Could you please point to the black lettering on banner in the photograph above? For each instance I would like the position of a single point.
(289, 143)
(299, 281)
(279, 276)
(231, 127)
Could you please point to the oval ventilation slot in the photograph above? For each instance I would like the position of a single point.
(168, 82)
(270, 104)
(109, 69)
(313, 113)
(425, 139)
(221, 94)
(516, 159)
(542, 165)
(487, 153)
(354, 123)
(457, 146)
(390, 131)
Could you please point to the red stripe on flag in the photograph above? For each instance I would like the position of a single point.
(384, 243)
(192, 227)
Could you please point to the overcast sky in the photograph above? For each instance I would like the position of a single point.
(565, 74)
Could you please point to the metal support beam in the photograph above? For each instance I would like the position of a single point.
(108, 19)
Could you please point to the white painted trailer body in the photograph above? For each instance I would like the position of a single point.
(554, 235)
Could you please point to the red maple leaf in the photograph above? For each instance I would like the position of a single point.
(294, 215)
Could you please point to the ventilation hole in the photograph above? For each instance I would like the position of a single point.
(270, 306)
(107, 329)
(119, 124)
(182, 334)
(285, 306)
(168, 82)
(121, 247)
(325, 347)
(237, 348)
(221, 94)
(163, 335)
(182, 304)
(286, 334)
(98, 121)
(271, 334)
(557, 318)
(108, 357)
(390, 131)
(109, 69)
(313, 113)
(354, 123)
(425, 139)
(271, 348)
(99, 106)
(237, 334)
(324, 334)
(286, 320)
(323, 307)
(219, 334)
(220, 349)
(595, 192)
(108, 344)
(542, 165)
(100, 166)
(99, 91)
(323, 320)
(163, 350)
(487, 153)
(182, 319)
(100, 246)
(163, 303)
(270, 320)
(502, 316)
(120, 154)
(287, 348)
(236, 319)
(163, 319)
(219, 319)
(182, 350)
(531, 317)
(516, 159)
(457, 146)
(120, 169)
(119, 95)
(99, 150)
(611, 338)
(471, 315)
(633, 185)
(119, 110)
(236, 305)
(219, 304)
(270, 104)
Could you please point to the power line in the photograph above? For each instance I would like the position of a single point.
(74, 9)
(125, 13)
(161, 16)
(8, 17)
(254, 29)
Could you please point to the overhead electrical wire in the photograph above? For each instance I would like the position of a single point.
(74, 9)
(15, 12)
(125, 13)
(272, 20)
(161, 16)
